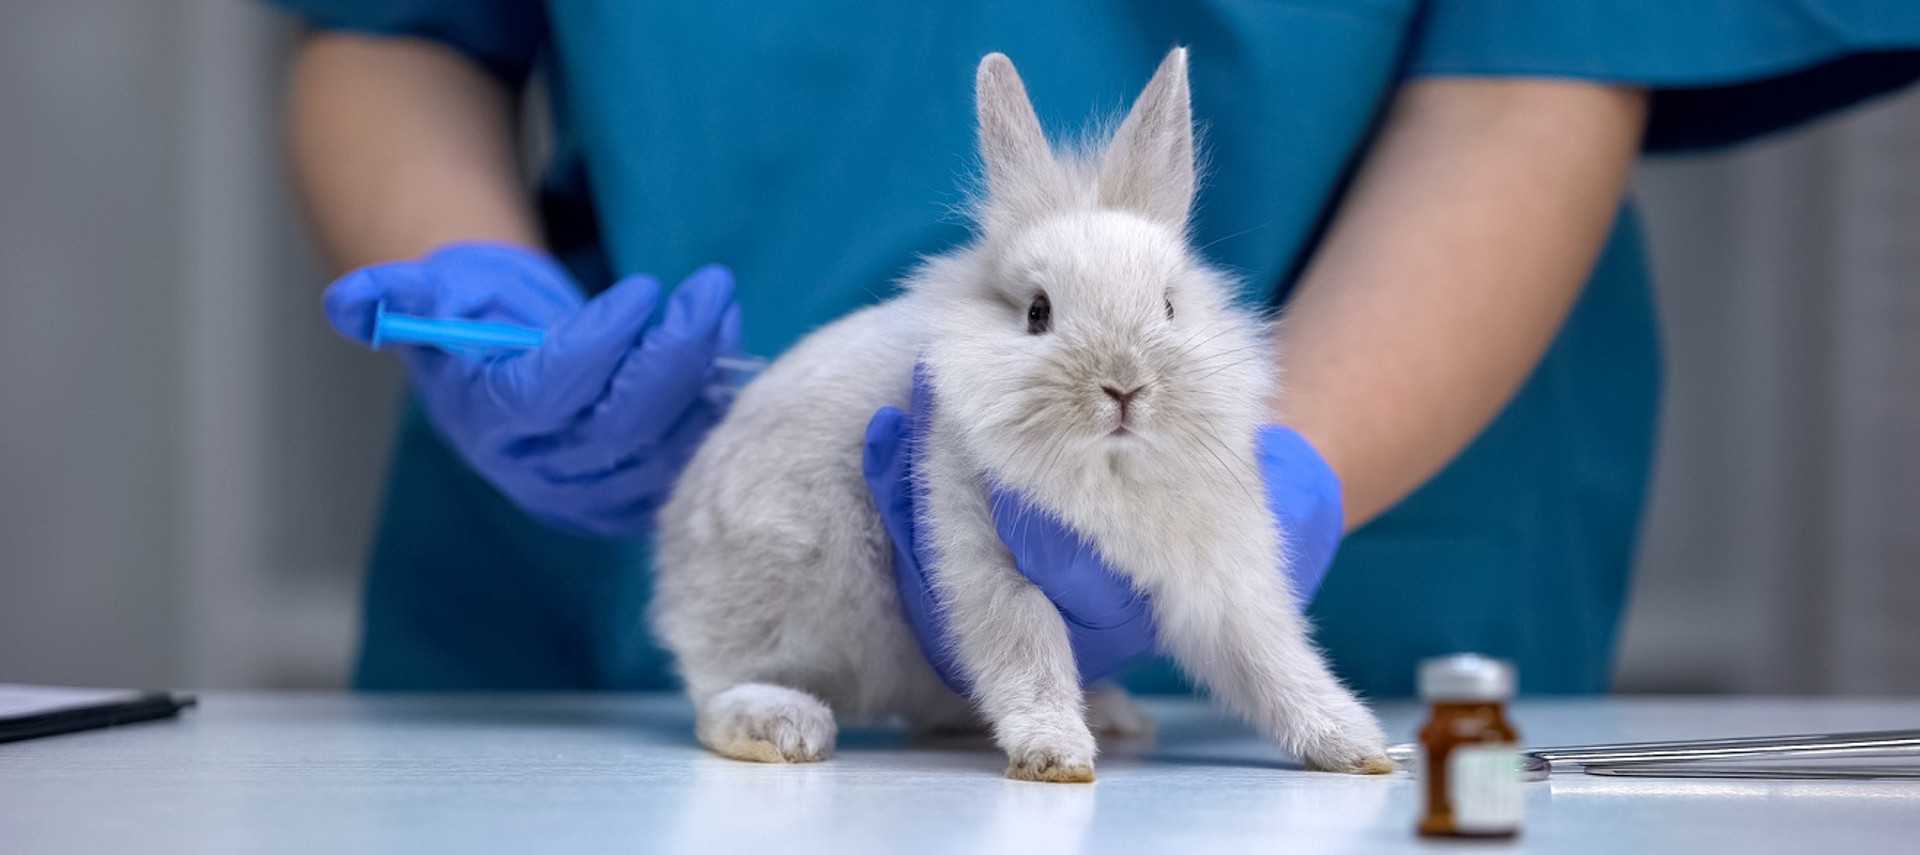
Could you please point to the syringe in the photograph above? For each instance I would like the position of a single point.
(467, 338)
(731, 372)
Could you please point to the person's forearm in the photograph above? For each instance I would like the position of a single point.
(1450, 268)
(400, 146)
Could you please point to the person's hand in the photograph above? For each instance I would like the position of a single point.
(587, 431)
(1108, 622)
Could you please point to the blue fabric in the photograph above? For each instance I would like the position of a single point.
(503, 36)
(818, 147)
(849, 132)
(465, 592)
(1722, 71)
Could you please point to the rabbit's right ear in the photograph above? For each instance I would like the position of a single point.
(1021, 172)
(1148, 168)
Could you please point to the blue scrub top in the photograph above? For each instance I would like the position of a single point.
(819, 146)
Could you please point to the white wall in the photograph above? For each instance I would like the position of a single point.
(1782, 553)
(188, 458)
(88, 318)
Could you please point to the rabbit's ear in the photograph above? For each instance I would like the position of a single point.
(1019, 162)
(1148, 167)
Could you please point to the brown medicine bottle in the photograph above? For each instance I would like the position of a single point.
(1470, 754)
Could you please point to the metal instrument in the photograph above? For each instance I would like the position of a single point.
(1730, 758)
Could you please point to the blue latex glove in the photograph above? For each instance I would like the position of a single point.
(587, 431)
(1108, 622)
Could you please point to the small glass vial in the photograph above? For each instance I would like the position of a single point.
(1470, 754)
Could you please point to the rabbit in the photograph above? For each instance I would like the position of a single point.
(1078, 351)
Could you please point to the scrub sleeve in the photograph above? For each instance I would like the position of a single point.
(1522, 547)
(505, 37)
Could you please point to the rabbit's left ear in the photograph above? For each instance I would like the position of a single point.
(1148, 167)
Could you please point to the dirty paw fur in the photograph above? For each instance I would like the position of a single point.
(767, 724)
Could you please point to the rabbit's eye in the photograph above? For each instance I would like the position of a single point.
(1040, 314)
(1169, 308)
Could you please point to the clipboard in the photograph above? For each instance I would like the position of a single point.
(27, 712)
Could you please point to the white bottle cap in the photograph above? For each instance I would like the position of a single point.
(1466, 677)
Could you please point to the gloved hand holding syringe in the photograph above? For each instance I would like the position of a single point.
(481, 339)
(580, 410)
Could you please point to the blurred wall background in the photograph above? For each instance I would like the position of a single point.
(189, 459)
(1782, 547)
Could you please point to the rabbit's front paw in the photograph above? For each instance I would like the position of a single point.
(1059, 753)
(1352, 759)
(767, 724)
(1347, 740)
(1051, 766)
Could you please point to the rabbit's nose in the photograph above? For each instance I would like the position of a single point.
(1123, 398)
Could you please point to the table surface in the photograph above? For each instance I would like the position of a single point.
(290, 772)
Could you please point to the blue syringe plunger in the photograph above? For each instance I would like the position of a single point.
(455, 335)
(480, 338)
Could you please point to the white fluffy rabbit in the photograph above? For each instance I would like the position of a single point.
(1079, 352)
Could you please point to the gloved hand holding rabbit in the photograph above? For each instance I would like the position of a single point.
(1108, 622)
(1080, 357)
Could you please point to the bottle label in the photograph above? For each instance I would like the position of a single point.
(1484, 787)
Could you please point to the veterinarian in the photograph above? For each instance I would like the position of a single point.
(1432, 190)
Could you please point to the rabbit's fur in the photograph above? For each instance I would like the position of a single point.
(775, 589)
